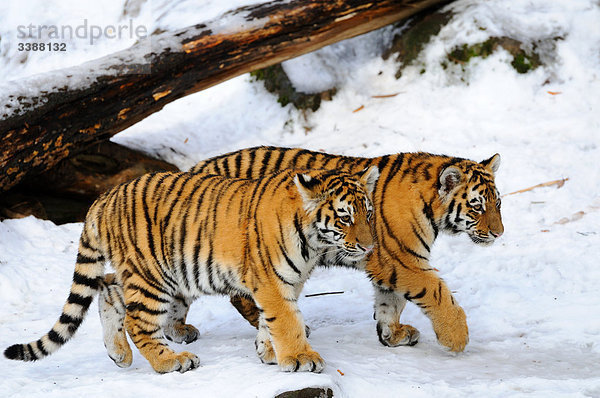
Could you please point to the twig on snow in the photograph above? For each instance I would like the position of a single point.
(558, 183)
(322, 294)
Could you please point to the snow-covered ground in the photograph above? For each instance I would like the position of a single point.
(532, 299)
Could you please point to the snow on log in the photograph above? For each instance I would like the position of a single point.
(45, 118)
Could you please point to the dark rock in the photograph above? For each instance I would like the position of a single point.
(309, 392)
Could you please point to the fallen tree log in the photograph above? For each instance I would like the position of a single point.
(80, 106)
(65, 192)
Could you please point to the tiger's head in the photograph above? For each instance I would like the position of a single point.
(341, 210)
(473, 202)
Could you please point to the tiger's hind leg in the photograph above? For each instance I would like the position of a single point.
(176, 329)
(247, 308)
(111, 306)
(388, 308)
(112, 318)
(147, 309)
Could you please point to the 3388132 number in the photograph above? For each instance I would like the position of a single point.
(42, 46)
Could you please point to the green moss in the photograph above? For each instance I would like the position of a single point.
(464, 53)
(523, 61)
(408, 45)
(277, 82)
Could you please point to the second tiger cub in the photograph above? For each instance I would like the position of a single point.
(173, 235)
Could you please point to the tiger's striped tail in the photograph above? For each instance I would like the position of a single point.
(88, 274)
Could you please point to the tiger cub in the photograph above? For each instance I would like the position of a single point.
(417, 196)
(183, 235)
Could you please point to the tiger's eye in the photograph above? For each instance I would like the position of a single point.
(346, 219)
(478, 207)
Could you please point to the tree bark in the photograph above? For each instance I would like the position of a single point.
(80, 106)
(65, 192)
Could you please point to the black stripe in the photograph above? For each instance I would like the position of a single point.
(81, 279)
(417, 296)
(391, 254)
(209, 268)
(148, 332)
(196, 264)
(182, 266)
(289, 260)
(303, 240)
(238, 165)
(73, 323)
(148, 278)
(226, 171)
(148, 294)
(280, 156)
(250, 165)
(132, 307)
(216, 166)
(428, 212)
(294, 162)
(398, 161)
(257, 199)
(75, 298)
(311, 161)
(265, 162)
(280, 276)
(458, 218)
(142, 320)
(69, 320)
(85, 243)
(149, 233)
(425, 245)
(393, 278)
(40, 347)
(175, 197)
(31, 353)
(56, 338)
(390, 234)
(197, 170)
(268, 260)
(412, 252)
(83, 259)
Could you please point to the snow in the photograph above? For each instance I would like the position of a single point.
(531, 299)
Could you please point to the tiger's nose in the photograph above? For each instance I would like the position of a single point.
(496, 234)
(365, 248)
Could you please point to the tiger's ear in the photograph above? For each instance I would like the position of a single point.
(308, 187)
(492, 164)
(368, 177)
(450, 178)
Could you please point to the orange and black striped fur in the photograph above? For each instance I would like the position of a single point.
(417, 196)
(176, 236)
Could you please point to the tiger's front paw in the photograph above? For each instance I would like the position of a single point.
(396, 334)
(182, 333)
(181, 362)
(309, 361)
(451, 329)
